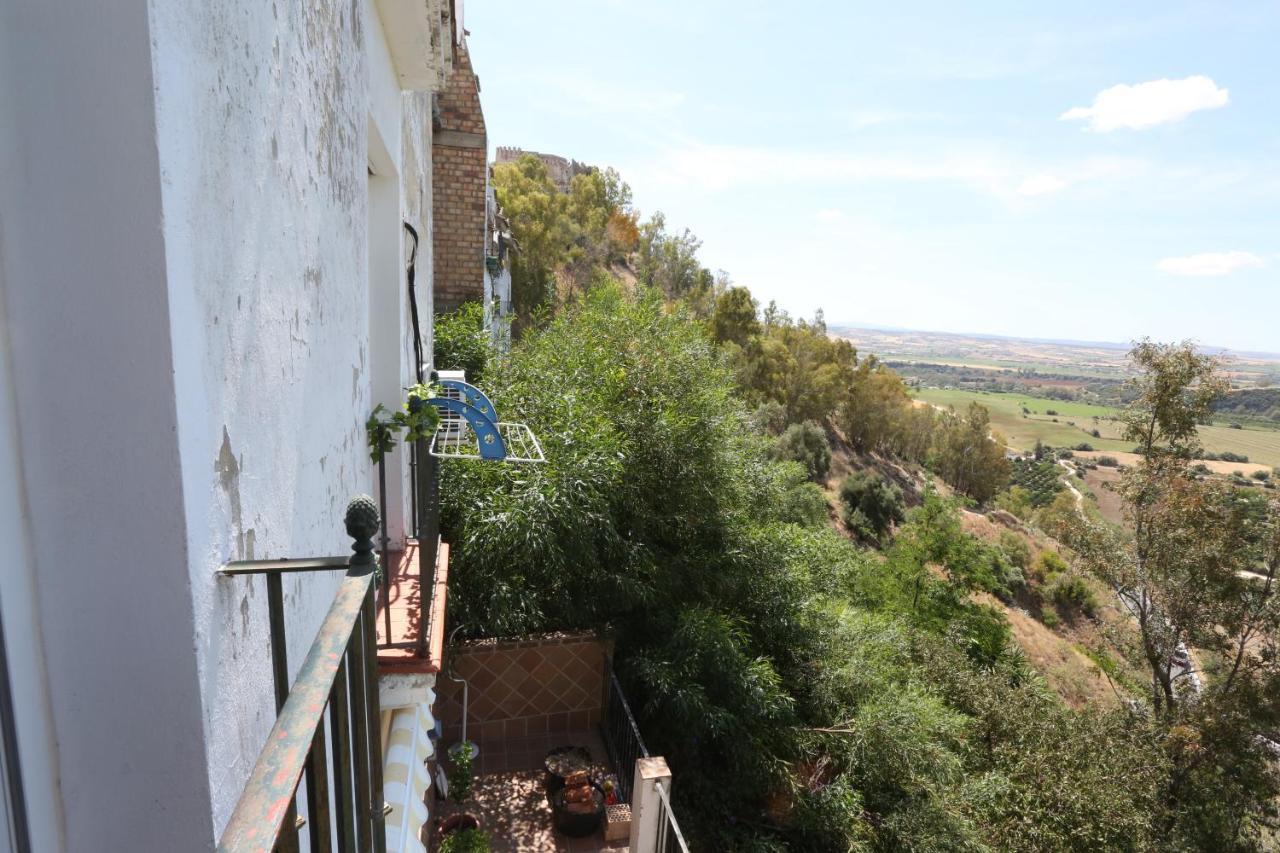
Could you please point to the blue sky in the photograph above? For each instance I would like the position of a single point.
(1095, 171)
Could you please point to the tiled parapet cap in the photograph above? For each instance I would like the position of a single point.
(530, 641)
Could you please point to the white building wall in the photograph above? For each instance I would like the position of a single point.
(284, 306)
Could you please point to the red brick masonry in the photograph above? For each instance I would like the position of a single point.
(459, 174)
(524, 688)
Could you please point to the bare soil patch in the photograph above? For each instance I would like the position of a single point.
(1102, 482)
(1225, 468)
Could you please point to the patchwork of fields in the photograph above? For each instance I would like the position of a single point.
(1022, 431)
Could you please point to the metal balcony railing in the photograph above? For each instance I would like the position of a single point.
(424, 527)
(342, 761)
(670, 838)
(622, 737)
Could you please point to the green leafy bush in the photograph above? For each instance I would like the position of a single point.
(465, 841)
(1071, 591)
(461, 774)
(871, 505)
(804, 504)
(806, 443)
(1015, 549)
(1050, 565)
(461, 342)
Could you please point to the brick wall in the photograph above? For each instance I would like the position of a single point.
(459, 174)
(538, 685)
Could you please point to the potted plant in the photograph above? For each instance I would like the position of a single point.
(465, 841)
(461, 785)
(461, 774)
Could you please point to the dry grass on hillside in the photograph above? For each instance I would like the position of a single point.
(1102, 483)
(1058, 653)
(1226, 468)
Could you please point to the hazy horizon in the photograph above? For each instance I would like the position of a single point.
(837, 325)
(1092, 172)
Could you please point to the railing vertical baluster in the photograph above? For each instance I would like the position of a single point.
(280, 682)
(375, 725)
(340, 732)
(428, 539)
(318, 794)
(413, 487)
(357, 688)
(382, 528)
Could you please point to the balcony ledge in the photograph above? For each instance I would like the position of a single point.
(407, 579)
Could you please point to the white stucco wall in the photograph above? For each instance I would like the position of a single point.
(264, 116)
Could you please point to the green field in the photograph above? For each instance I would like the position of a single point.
(1259, 444)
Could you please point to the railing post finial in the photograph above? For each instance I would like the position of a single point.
(362, 523)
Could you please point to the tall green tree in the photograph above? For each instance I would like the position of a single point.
(542, 227)
(735, 320)
(1197, 569)
(968, 456)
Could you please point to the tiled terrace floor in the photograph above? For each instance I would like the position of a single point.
(510, 800)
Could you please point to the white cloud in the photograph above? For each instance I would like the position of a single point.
(1148, 104)
(1041, 185)
(1210, 263)
(830, 214)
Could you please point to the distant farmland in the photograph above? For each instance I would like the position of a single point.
(1022, 433)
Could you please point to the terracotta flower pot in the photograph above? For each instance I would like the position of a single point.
(456, 823)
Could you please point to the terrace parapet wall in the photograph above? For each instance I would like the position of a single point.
(523, 687)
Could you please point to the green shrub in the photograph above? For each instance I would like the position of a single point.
(1071, 591)
(1050, 565)
(806, 443)
(1049, 616)
(770, 418)
(804, 504)
(461, 775)
(1017, 501)
(1015, 549)
(1108, 462)
(462, 342)
(871, 505)
(465, 841)
(1084, 445)
(1261, 475)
